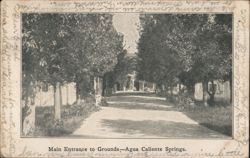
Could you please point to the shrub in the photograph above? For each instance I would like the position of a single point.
(71, 118)
(104, 102)
(182, 100)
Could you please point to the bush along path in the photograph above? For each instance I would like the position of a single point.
(135, 116)
(71, 119)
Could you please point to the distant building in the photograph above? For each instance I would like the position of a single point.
(133, 84)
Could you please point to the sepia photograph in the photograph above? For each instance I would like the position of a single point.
(127, 75)
(124, 79)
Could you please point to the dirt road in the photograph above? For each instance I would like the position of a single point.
(141, 116)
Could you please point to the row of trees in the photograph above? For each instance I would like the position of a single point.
(62, 48)
(119, 76)
(186, 49)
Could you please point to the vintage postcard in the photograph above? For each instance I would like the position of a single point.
(133, 78)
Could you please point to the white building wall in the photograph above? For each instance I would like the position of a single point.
(222, 90)
(46, 98)
(68, 94)
(198, 93)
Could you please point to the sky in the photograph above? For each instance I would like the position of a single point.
(127, 24)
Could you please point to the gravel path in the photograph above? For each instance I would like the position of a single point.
(134, 116)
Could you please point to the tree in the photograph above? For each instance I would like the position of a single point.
(61, 48)
(186, 48)
(48, 33)
(214, 47)
(95, 45)
(155, 57)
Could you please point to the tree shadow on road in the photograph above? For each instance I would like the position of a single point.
(145, 106)
(139, 102)
(136, 93)
(160, 128)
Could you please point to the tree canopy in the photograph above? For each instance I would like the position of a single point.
(58, 47)
(185, 48)
(70, 47)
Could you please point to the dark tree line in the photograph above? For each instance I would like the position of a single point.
(62, 48)
(186, 49)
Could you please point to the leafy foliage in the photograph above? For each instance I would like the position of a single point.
(62, 48)
(68, 47)
(185, 48)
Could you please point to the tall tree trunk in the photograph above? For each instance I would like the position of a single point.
(231, 89)
(57, 100)
(205, 94)
(166, 89)
(67, 94)
(191, 90)
(29, 113)
(211, 94)
(78, 92)
(154, 88)
(97, 90)
(162, 88)
(104, 85)
(211, 100)
(171, 89)
(108, 88)
(94, 85)
(97, 85)
(179, 86)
